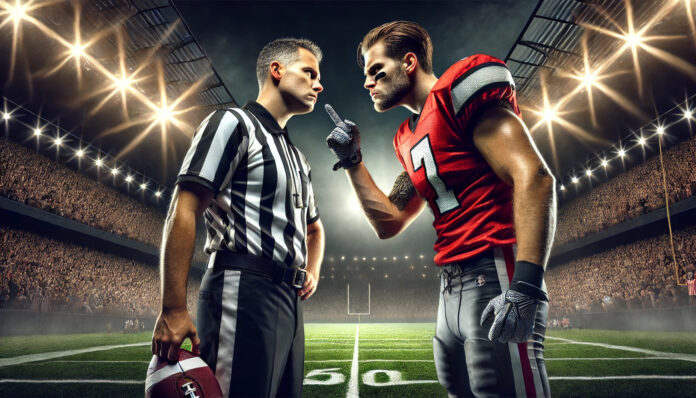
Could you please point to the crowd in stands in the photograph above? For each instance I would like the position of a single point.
(627, 195)
(43, 274)
(38, 181)
(638, 275)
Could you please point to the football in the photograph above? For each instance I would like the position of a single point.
(190, 377)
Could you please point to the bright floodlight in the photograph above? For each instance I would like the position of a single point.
(77, 50)
(129, 178)
(158, 194)
(588, 172)
(622, 153)
(99, 163)
(6, 116)
(421, 256)
(143, 186)
(37, 132)
(574, 180)
(164, 114)
(641, 141)
(343, 257)
(562, 187)
(605, 162)
(633, 40)
(660, 130)
(18, 12)
(364, 258)
(374, 258)
(688, 113)
(123, 83)
(405, 257)
(394, 258)
(58, 141)
(114, 171)
(548, 114)
(589, 79)
(80, 153)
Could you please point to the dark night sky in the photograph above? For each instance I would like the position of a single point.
(232, 34)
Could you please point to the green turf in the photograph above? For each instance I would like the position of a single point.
(386, 350)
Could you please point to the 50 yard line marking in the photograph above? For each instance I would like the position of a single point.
(353, 382)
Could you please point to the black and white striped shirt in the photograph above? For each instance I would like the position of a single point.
(263, 197)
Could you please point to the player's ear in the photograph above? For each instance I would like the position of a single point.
(410, 62)
(277, 70)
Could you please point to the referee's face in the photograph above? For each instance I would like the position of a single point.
(300, 86)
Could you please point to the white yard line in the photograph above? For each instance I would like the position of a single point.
(68, 361)
(611, 359)
(68, 381)
(58, 354)
(672, 355)
(368, 360)
(632, 377)
(354, 376)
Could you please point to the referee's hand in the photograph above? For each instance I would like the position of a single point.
(309, 287)
(171, 328)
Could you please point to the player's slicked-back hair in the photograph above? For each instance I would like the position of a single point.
(286, 51)
(400, 38)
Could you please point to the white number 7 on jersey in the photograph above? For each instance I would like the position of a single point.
(422, 155)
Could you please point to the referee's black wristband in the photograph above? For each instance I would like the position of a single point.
(528, 279)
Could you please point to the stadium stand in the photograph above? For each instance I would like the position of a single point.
(628, 195)
(35, 180)
(39, 273)
(638, 275)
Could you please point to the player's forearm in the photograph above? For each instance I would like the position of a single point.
(379, 210)
(315, 249)
(175, 258)
(534, 209)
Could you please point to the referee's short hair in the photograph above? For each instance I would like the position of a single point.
(286, 51)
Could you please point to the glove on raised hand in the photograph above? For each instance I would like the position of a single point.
(344, 141)
(515, 309)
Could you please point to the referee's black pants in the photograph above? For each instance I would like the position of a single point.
(252, 334)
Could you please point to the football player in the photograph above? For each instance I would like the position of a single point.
(468, 155)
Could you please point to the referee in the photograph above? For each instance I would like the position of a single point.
(264, 236)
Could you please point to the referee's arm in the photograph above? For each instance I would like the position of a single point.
(315, 255)
(174, 323)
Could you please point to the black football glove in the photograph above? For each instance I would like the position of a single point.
(344, 141)
(515, 309)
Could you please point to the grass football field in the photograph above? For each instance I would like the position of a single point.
(386, 360)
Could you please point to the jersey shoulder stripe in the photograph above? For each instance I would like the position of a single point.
(477, 80)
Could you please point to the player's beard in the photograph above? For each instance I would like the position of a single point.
(400, 87)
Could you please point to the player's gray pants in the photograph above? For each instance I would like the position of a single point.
(252, 334)
(467, 363)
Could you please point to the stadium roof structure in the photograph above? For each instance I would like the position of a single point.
(594, 76)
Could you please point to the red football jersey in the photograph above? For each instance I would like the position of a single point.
(471, 205)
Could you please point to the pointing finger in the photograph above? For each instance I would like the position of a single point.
(333, 115)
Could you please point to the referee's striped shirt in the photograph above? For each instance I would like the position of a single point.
(263, 197)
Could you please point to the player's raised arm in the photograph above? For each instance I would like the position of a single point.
(388, 214)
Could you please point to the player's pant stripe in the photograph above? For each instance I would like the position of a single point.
(228, 328)
(525, 383)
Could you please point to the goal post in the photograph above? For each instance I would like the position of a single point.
(358, 314)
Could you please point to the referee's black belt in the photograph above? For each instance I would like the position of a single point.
(277, 271)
